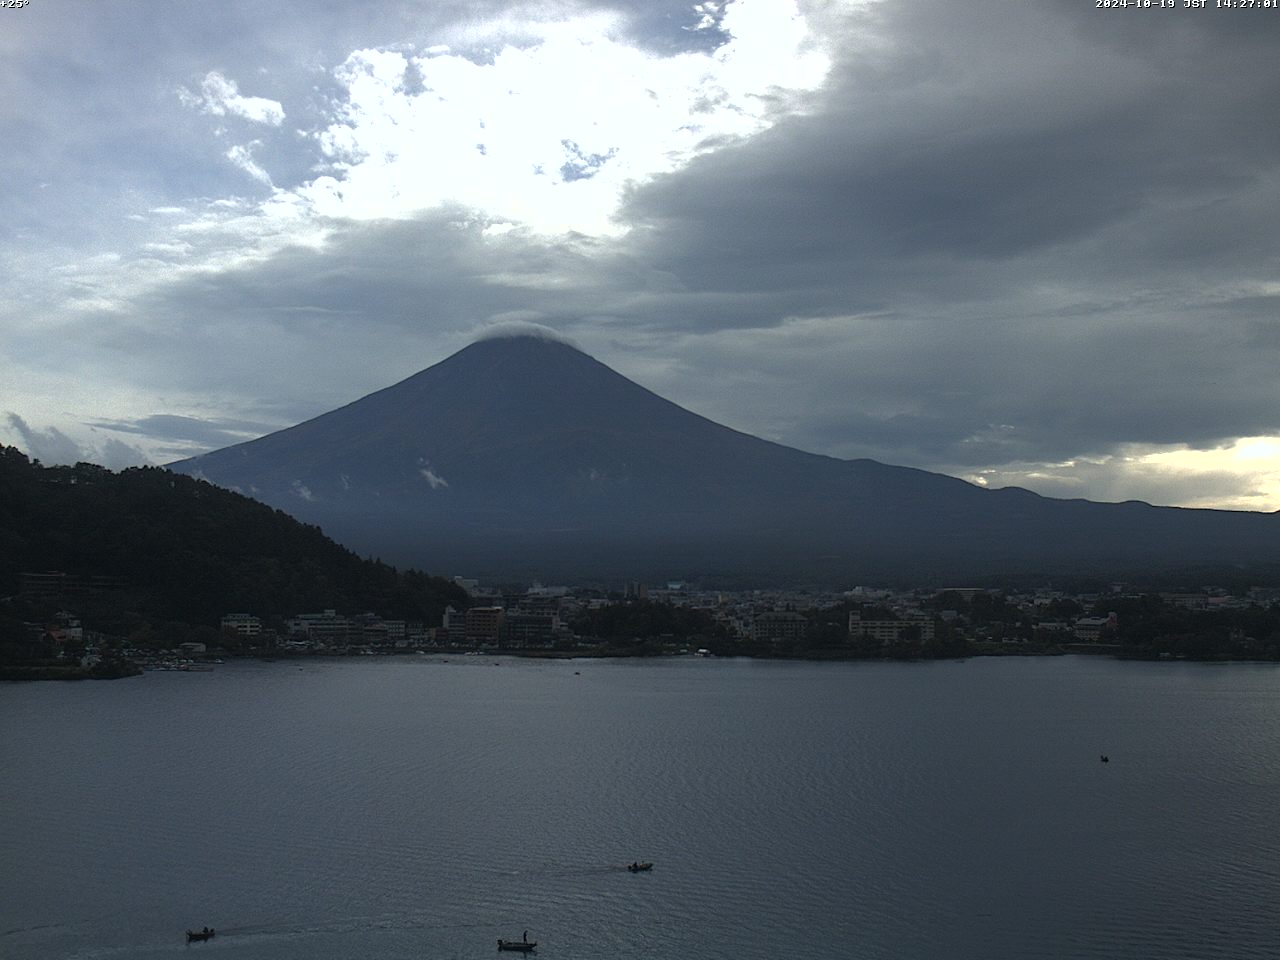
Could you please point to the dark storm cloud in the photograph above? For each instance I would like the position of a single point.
(961, 142)
(1063, 225)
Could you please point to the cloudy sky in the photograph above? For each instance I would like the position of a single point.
(1020, 243)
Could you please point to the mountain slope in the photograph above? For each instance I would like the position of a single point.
(523, 455)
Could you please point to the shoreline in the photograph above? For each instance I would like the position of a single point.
(131, 668)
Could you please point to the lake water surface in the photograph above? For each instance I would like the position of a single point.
(421, 808)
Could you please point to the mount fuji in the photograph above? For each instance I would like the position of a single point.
(521, 456)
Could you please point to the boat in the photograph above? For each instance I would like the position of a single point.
(637, 866)
(523, 945)
(196, 935)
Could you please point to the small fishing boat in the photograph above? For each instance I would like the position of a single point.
(196, 935)
(523, 945)
(637, 867)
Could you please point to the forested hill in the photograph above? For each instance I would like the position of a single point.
(173, 548)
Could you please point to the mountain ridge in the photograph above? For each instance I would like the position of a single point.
(525, 455)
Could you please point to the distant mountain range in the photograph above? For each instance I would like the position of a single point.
(524, 457)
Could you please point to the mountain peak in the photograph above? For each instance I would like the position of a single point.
(523, 330)
(541, 353)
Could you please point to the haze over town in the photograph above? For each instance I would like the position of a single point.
(1023, 244)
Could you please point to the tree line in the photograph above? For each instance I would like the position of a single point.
(171, 553)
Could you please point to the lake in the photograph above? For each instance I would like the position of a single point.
(422, 808)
